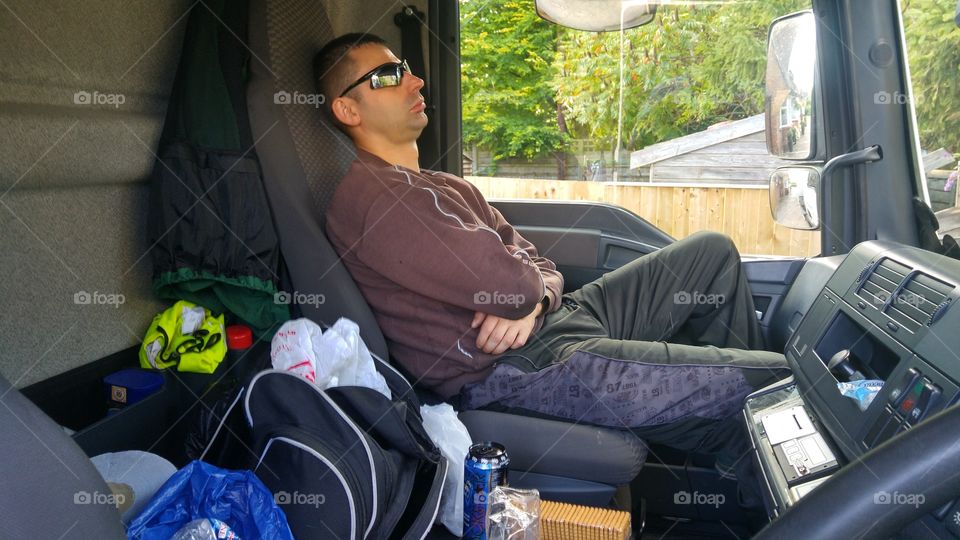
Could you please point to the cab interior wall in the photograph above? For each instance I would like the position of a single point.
(74, 192)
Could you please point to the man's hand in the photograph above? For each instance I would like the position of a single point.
(498, 334)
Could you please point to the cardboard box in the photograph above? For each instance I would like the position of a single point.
(562, 521)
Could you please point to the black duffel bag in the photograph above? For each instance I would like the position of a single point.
(345, 462)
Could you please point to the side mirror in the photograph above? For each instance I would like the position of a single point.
(791, 67)
(795, 197)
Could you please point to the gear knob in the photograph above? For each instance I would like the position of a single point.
(841, 366)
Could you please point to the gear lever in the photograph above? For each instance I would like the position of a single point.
(841, 367)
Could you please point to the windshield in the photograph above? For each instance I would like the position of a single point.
(665, 120)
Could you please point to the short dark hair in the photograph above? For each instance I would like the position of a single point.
(332, 66)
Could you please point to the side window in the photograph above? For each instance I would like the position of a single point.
(680, 142)
(933, 54)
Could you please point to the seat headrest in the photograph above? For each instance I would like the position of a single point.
(303, 158)
(284, 36)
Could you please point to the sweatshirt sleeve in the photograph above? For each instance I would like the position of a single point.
(514, 242)
(552, 279)
(434, 246)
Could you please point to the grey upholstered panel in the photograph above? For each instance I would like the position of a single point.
(58, 246)
(73, 173)
(375, 16)
(51, 51)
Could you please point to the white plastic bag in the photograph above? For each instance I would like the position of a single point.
(451, 436)
(337, 357)
(354, 365)
(292, 348)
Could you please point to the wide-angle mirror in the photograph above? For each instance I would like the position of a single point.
(794, 197)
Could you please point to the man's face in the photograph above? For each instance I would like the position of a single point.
(395, 113)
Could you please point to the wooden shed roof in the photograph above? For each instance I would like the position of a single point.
(695, 141)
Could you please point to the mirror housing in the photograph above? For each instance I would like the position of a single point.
(597, 15)
(790, 80)
(795, 197)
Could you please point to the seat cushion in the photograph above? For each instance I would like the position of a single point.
(556, 448)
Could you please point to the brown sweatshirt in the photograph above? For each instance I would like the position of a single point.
(427, 252)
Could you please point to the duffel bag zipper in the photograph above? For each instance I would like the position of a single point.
(346, 418)
(332, 458)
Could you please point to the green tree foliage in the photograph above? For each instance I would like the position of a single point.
(506, 55)
(690, 68)
(933, 50)
(693, 66)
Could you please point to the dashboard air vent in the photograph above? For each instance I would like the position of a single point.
(880, 284)
(922, 298)
(909, 297)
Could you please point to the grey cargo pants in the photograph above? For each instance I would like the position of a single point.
(666, 346)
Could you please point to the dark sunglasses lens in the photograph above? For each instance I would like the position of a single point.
(388, 76)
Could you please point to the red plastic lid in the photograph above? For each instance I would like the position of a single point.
(239, 337)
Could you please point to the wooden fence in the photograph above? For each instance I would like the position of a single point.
(741, 212)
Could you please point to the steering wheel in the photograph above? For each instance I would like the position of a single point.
(922, 460)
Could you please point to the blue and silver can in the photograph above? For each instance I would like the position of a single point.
(484, 469)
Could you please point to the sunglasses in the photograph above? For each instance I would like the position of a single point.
(384, 76)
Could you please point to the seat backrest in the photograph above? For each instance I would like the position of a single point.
(303, 158)
(50, 488)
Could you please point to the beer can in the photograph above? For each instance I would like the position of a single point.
(484, 469)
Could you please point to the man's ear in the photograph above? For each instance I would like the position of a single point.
(345, 111)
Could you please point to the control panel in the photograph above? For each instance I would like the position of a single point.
(912, 398)
(885, 322)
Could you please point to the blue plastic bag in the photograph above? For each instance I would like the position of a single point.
(200, 490)
(862, 391)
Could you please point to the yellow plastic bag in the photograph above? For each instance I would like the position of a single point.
(187, 336)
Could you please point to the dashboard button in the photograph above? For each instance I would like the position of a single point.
(926, 401)
(910, 398)
(906, 382)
